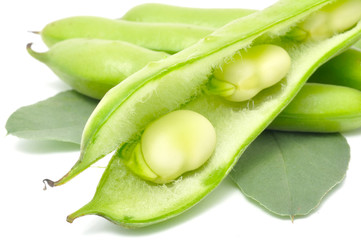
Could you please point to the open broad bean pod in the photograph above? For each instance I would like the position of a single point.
(179, 82)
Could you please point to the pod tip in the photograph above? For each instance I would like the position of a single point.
(34, 32)
(28, 46)
(70, 219)
(48, 182)
(39, 56)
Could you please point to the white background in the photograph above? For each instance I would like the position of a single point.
(29, 212)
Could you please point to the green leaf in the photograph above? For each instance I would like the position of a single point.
(60, 118)
(289, 173)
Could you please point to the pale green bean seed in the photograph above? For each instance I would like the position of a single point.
(250, 72)
(332, 19)
(176, 143)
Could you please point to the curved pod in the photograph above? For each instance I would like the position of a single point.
(177, 82)
(163, 13)
(321, 108)
(155, 36)
(344, 70)
(93, 67)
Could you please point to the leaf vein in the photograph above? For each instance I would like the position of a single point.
(283, 163)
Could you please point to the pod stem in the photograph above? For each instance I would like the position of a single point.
(70, 175)
(70, 219)
(48, 182)
(52, 183)
(35, 32)
(39, 56)
(85, 210)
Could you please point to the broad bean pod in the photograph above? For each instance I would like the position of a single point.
(177, 83)
(168, 31)
(330, 20)
(104, 28)
(156, 36)
(344, 70)
(321, 108)
(93, 66)
(215, 18)
(164, 13)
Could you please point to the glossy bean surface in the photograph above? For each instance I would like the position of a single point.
(330, 20)
(93, 66)
(321, 108)
(208, 17)
(172, 145)
(344, 70)
(213, 18)
(155, 36)
(249, 72)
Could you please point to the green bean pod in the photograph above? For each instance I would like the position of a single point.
(163, 13)
(156, 36)
(171, 35)
(206, 17)
(321, 108)
(176, 83)
(93, 67)
(344, 70)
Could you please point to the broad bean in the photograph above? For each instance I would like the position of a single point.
(332, 19)
(166, 31)
(215, 18)
(176, 83)
(344, 70)
(176, 143)
(99, 137)
(156, 36)
(163, 13)
(92, 67)
(249, 72)
(321, 108)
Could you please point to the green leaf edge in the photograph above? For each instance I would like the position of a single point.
(24, 133)
(292, 217)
